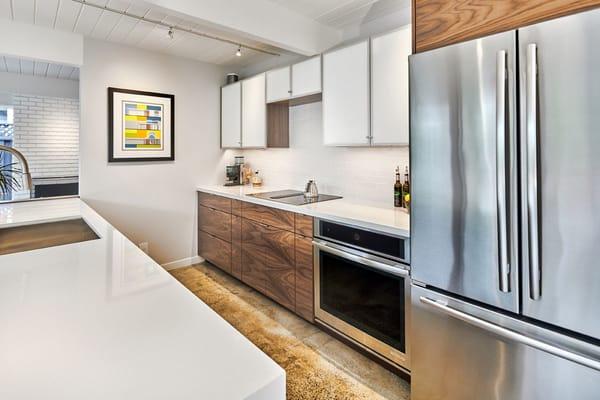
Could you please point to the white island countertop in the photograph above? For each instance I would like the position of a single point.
(388, 219)
(101, 320)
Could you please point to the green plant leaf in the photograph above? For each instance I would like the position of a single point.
(8, 180)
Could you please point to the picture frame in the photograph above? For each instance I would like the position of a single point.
(141, 126)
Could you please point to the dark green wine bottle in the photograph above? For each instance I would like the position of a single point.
(398, 189)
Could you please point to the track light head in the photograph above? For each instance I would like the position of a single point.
(171, 33)
(238, 53)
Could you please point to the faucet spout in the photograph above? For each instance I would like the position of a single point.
(27, 182)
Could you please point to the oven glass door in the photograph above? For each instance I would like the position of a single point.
(368, 299)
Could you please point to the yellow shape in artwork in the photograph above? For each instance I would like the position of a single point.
(135, 118)
(148, 146)
(141, 134)
(141, 106)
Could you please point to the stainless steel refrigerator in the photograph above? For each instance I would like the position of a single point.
(505, 224)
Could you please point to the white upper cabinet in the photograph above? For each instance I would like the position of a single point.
(346, 119)
(278, 84)
(389, 87)
(231, 115)
(306, 77)
(254, 112)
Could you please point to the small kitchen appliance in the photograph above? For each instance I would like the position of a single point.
(233, 173)
(311, 191)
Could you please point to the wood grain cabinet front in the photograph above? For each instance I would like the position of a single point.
(438, 23)
(268, 249)
(215, 222)
(304, 278)
(213, 201)
(304, 225)
(253, 255)
(236, 207)
(236, 246)
(215, 250)
(280, 273)
(269, 216)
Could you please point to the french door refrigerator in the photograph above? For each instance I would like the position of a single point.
(505, 224)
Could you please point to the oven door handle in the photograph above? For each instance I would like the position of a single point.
(376, 265)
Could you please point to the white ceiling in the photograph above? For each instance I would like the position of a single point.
(343, 14)
(38, 68)
(68, 15)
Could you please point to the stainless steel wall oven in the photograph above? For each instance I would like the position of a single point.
(362, 288)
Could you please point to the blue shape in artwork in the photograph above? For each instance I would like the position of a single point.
(154, 108)
(130, 146)
(157, 119)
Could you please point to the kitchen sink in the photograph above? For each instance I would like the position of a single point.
(38, 236)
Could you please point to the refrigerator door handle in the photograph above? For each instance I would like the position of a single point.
(511, 335)
(535, 290)
(501, 135)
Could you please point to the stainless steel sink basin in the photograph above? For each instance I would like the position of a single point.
(38, 236)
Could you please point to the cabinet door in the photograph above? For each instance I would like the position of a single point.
(304, 278)
(389, 87)
(236, 246)
(306, 77)
(440, 23)
(254, 112)
(231, 115)
(253, 255)
(278, 84)
(215, 222)
(346, 96)
(215, 250)
(280, 273)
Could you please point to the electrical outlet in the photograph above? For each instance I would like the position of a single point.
(144, 247)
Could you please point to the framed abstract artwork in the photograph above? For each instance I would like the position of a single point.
(141, 126)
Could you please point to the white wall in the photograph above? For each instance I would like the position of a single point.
(46, 131)
(150, 201)
(361, 174)
(38, 85)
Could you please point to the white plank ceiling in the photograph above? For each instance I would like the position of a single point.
(342, 14)
(38, 68)
(68, 15)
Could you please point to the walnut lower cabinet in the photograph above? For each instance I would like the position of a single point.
(266, 248)
(304, 278)
(253, 254)
(280, 269)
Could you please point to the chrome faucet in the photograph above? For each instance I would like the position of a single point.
(27, 183)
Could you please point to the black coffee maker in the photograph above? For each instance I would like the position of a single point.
(234, 175)
(234, 172)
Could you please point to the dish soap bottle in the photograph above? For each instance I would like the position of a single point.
(256, 179)
(398, 190)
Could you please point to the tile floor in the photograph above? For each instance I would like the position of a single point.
(364, 372)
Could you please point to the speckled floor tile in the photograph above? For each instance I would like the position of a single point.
(317, 365)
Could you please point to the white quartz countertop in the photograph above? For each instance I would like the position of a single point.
(388, 219)
(101, 320)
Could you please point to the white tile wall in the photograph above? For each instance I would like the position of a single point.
(365, 174)
(46, 131)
